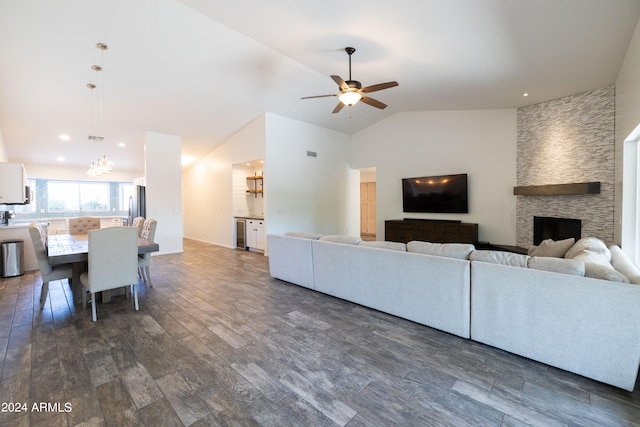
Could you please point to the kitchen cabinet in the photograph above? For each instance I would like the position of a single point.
(256, 237)
(13, 184)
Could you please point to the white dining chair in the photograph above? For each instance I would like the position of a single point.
(112, 263)
(144, 260)
(47, 271)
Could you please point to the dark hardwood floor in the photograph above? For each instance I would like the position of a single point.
(217, 341)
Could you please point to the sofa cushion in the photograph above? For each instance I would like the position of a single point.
(602, 272)
(394, 246)
(553, 248)
(623, 264)
(558, 265)
(449, 250)
(304, 235)
(591, 244)
(341, 238)
(500, 257)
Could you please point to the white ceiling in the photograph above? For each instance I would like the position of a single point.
(202, 69)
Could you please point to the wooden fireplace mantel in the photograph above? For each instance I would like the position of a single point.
(558, 189)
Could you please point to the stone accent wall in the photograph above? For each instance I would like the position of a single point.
(564, 141)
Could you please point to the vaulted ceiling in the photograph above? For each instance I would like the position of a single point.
(202, 69)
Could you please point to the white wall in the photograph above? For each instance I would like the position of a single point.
(481, 143)
(207, 185)
(301, 193)
(305, 193)
(163, 177)
(627, 119)
(75, 173)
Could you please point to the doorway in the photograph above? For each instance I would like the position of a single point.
(368, 204)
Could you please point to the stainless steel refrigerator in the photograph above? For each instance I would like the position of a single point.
(137, 204)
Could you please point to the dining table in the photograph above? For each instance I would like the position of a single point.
(74, 249)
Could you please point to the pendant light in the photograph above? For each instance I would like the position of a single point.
(102, 165)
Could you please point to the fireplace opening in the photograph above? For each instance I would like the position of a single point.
(555, 228)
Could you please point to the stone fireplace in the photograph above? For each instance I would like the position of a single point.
(567, 140)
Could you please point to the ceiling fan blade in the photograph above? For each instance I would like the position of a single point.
(343, 85)
(338, 108)
(373, 103)
(379, 86)
(318, 96)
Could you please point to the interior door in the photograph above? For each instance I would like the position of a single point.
(368, 209)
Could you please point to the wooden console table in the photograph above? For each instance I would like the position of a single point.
(403, 231)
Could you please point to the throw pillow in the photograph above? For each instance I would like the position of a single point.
(394, 246)
(591, 244)
(449, 250)
(341, 238)
(500, 257)
(553, 248)
(597, 266)
(558, 265)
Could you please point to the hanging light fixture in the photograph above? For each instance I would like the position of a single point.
(101, 166)
(349, 97)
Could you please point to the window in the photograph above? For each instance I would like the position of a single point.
(630, 237)
(66, 196)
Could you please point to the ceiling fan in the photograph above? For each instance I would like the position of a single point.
(351, 91)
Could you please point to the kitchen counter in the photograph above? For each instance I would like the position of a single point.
(260, 218)
(23, 224)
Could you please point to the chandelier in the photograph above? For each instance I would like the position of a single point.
(102, 165)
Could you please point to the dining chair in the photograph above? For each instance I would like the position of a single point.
(112, 263)
(144, 260)
(47, 271)
(138, 222)
(83, 224)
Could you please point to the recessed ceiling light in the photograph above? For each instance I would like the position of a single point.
(525, 94)
(121, 144)
(60, 159)
(65, 137)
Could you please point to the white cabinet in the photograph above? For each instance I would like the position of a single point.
(13, 184)
(256, 238)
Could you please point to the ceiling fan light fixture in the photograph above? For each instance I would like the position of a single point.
(349, 98)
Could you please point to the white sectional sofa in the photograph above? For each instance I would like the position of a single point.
(430, 290)
(584, 325)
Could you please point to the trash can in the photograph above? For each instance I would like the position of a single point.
(12, 252)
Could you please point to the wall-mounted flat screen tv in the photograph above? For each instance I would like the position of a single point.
(435, 194)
